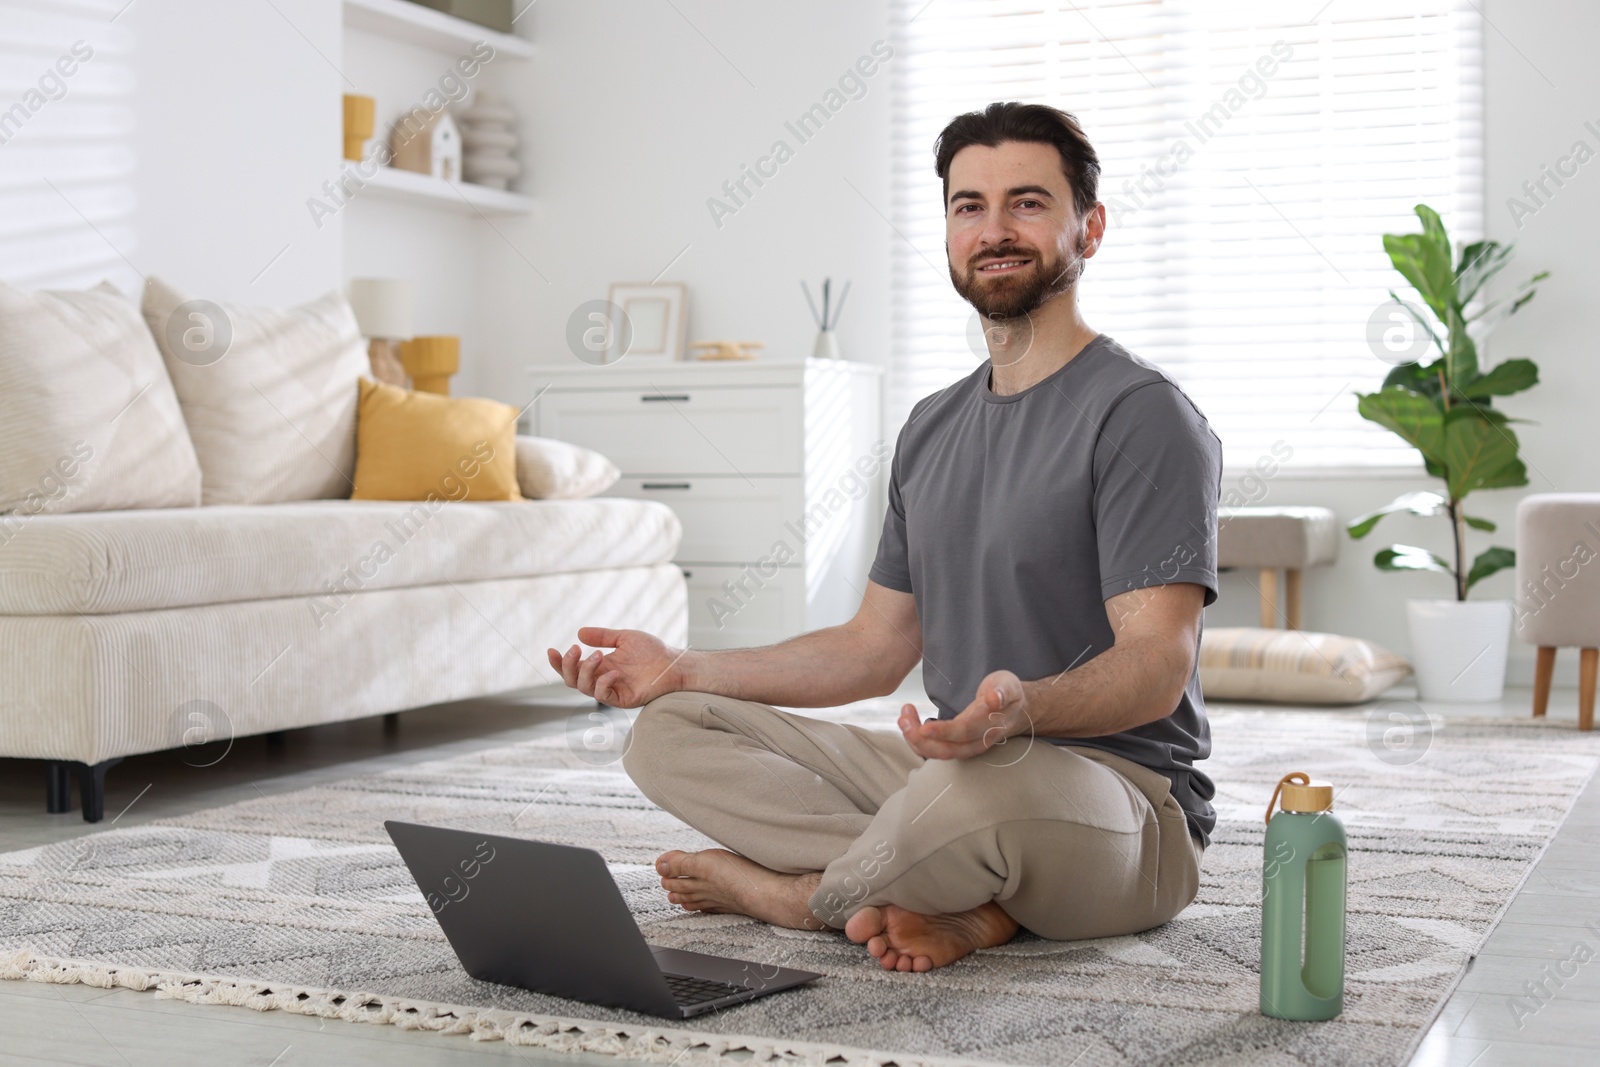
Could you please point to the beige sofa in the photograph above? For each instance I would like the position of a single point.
(177, 569)
(124, 632)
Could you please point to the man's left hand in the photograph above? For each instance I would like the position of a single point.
(999, 711)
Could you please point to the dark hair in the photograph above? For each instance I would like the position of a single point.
(1038, 123)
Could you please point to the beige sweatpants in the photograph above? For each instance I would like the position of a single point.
(1072, 842)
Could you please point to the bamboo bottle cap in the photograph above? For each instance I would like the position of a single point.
(1301, 795)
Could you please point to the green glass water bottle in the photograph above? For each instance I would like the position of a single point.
(1302, 903)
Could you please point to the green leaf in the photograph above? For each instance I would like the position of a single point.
(1433, 226)
(1410, 558)
(1480, 261)
(1417, 419)
(1425, 266)
(1489, 561)
(1478, 524)
(1421, 319)
(1421, 503)
(1416, 377)
(1479, 452)
(1461, 363)
(1512, 376)
(1467, 409)
(1498, 311)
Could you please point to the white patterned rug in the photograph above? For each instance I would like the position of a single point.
(299, 903)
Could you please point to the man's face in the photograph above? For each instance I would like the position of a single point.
(1011, 234)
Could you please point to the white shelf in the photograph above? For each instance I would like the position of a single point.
(389, 183)
(404, 21)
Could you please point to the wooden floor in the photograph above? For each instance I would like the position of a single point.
(1490, 1020)
(42, 1024)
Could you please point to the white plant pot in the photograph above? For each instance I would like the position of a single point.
(1458, 648)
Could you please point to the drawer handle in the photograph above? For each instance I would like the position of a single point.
(663, 485)
(647, 398)
(687, 574)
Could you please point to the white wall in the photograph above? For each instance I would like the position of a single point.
(635, 115)
(1541, 85)
(238, 117)
(66, 147)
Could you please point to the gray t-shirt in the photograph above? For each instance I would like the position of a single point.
(1012, 519)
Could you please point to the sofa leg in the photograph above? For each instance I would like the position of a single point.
(92, 787)
(391, 725)
(1291, 596)
(57, 787)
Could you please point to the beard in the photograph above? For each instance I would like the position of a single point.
(1011, 296)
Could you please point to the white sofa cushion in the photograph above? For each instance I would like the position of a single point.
(88, 418)
(548, 469)
(323, 551)
(269, 395)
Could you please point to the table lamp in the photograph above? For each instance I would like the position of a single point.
(383, 310)
(430, 361)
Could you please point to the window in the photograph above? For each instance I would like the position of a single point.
(66, 160)
(1252, 154)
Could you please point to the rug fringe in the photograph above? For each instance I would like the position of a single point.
(686, 1048)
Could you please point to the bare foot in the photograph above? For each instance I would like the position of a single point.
(904, 940)
(716, 880)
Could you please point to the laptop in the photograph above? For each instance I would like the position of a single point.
(550, 918)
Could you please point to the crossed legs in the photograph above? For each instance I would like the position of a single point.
(833, 826)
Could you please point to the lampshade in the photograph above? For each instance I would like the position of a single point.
(382, 306)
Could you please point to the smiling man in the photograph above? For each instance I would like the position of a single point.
(1048, 548)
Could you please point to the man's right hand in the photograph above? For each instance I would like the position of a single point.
(640, 669)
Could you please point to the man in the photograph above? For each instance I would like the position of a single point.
(1048, 548)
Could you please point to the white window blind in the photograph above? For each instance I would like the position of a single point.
(1246, 263)
(66, 156)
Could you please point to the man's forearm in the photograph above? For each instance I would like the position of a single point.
(1132, 683)
(821, 669)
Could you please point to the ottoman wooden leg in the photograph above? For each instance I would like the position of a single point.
(1588, 664)
(1541, 679)
(1291, 594)
(1269, 598)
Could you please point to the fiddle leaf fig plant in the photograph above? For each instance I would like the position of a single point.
(1444, 408)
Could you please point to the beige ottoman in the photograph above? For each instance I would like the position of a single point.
(1274, 539)
(1557, 601)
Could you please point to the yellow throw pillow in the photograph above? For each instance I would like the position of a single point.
(422, 446)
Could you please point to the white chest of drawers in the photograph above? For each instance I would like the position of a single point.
(776, 470)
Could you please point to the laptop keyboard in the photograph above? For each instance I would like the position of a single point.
(692, 991)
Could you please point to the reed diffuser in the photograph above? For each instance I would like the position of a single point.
(827, 346)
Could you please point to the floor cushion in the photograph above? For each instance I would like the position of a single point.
(1294, 666)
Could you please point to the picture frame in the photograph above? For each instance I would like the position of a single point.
(658, 316)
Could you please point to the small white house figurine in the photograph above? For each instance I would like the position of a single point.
(427, 144)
